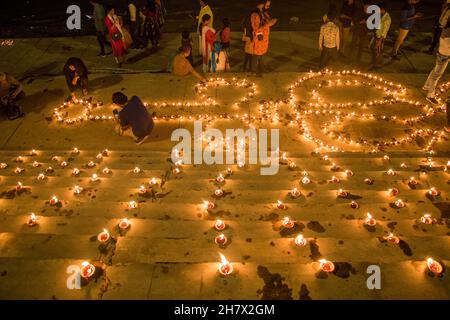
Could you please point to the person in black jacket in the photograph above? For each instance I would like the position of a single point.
(133, 120)
(76, 75)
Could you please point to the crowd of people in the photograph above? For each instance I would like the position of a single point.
(344, 36)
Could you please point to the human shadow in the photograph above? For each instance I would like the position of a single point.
(105, 81)
(38, 101)
(142, 55)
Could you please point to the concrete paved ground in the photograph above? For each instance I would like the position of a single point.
(169, 252)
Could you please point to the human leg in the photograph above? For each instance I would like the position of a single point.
(436, 74)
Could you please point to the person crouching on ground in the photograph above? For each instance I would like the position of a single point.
(181, 65)
(11, 92)
(133, 120)
(76, 75)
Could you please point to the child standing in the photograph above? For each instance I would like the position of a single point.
(208, 38)
(225, 35)
(219, 59)
(186, 41)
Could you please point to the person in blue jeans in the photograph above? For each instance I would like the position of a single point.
(442, 60)
(134, 119)
(407, 19)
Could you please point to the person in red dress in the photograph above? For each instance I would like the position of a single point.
(116, 35)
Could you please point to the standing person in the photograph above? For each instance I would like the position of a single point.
(442, 60)
(225, 35)
(100, 26)
(76, 75)
(441, 23)
(208, 38)
(329, 41)
(11, 92)
(134, 20)
(133, 120)
(261, 31)
(219, 59)
(407, 19)
(348, 11)
(116, 36)
(360, 33)
(152, 29)
(380, 36)
(205, 9)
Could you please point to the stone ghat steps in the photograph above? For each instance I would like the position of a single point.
(187, 250)
(401, 280)
(178, 228)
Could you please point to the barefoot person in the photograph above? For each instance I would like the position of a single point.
(205, 9)
(11, 92)
(181, 65)
(133, 119)
(112, 22)
(76, 75)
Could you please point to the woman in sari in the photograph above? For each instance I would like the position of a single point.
(116, 35)
(208, 39)
(204, 9)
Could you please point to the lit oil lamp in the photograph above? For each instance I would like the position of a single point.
(132, 205)
(300, 241)
(124, 224)
(292, 165)
(208, 205)
(220, 178)
(368, 181)
(218, 192)
(33, 153)
(334, 179)
(306, 180)
(370, 221)
(54, 201)
(392, 239)
(434, 266)
(326, 266)
(412, 181)
(103, 236)
(225, 268)
(18, 170)
(392, 192)
(19, 186)
(229, 171)
(105, 153)
(426, 219)
(142, 190)
(94, 178)
(91, 164)
(219, 225)
(386, 157)
(221, 239)
(334, 167)
(41, 177)
(49, 170)
(19, 159)
(136, 170)
(3, 165)
(75, 172)
(99, 156)
(63, 164)
(349, 173)
(403, 166)
(55, 158)
(107, 171)
(153, 181)
(354, 205)
(241, 164)
(280, 205)
(399, 203)
(295, 193)
(325, 157)
(75, 151)
(176, 170)
(287, 223)
(391, 172)
(342, 194)
(36, 164)
(77, 190)
(87, 270)
(433, 192)
(32, 221)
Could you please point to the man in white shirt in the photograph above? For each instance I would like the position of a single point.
(442, 59)
(329, 41)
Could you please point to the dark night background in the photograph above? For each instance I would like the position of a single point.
(28, 18)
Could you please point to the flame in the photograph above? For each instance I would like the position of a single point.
(84, 264)
(369, 216)
(430, 261)
(105, 231)
(286, 220)
(33, 217)
(223, 260)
